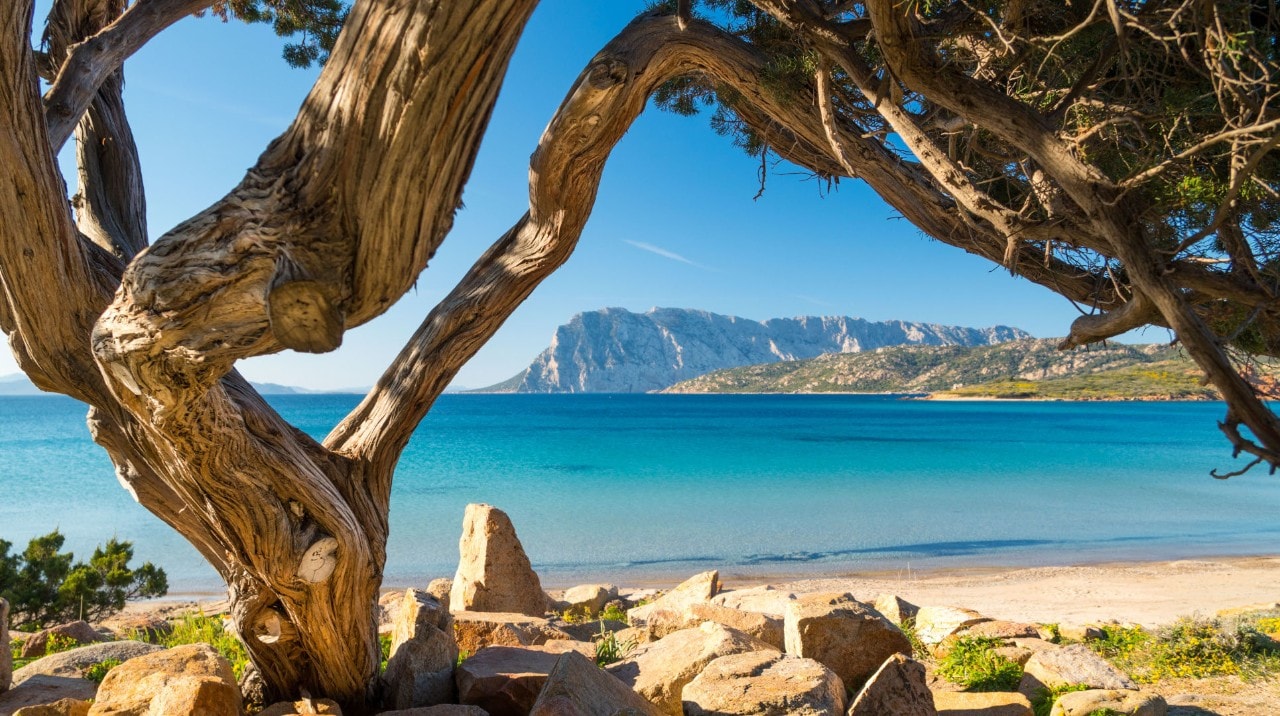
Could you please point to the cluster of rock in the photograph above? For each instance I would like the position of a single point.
(490, 641)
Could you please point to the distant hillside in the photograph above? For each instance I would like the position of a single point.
(616, 351)
(19, 384)
(1018, 369)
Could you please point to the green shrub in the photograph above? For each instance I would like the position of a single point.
(1042, 704)
(918, 649)
(45, 586)
(1192, 648)
(97, 672)
(384, 648)
(581, 614)
(196, 628)
(613, 613)
(609, 649)
(971, 663)
(58, 643)
(1120, 643)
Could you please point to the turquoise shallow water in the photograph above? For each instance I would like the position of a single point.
(639, 487)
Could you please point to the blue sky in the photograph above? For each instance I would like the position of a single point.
(675, 223)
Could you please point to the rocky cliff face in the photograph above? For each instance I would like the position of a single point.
(616, 351)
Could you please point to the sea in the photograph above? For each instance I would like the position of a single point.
(638, 489)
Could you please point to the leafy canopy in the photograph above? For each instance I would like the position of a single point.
(314, 22)
(45, 586)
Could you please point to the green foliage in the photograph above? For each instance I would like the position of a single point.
(97, 672)
(462, 656)
(614, 613)
(315, 23)
(1042, 703)
(45, 586)
(384, 648)
(580, 614)
(609, 649)
(196, 628)
(1055, 633)
(58, 643)
(973, 664)
(1191, 648)
(918, 648)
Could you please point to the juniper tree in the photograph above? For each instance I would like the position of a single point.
(1120, 153)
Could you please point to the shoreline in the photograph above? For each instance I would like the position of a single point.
(1146, 592)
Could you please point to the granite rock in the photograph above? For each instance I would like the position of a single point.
(494, 574)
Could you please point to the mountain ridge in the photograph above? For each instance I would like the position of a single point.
(613, 350)
(1029, 368)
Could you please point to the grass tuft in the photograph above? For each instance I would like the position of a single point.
(973, 664)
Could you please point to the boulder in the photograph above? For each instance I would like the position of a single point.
(1071, 665)
(1019, 655)
(506, 680)
(1081, 632)
(440, 588)
(764, 627)
(590, 631)
(1000, 629)
(899, 687)
(766, 683)
(994, 629)
(933, 624)
(476, 630)
(189, 679)
(661, 622)
(78, 631)
(895, 608)
(845, 635)
(698, 588)
(765, 600)
(6, 656)
(388, 608)
(423, 654)
(577, 687)
(140, 626)
(44, 689)
(590, 598)
(1111, 701)
(995, 703)
(302, 708)
(660, 669)
(61, 707)
(442, 710)
(1036, 645)
(73, 663)
(494, 574)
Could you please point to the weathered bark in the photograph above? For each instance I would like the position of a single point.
(335, 215)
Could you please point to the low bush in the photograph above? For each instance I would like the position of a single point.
(97, 672)
(196, 628)
(1042, 703)
(973, 664)
(1192, 648)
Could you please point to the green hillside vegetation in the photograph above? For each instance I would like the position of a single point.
(1032, 368)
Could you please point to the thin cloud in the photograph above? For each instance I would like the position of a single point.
(814, 301)
(665, 253)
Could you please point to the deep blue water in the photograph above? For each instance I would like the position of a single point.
(647, 486)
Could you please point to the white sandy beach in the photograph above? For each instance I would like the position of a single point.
(1147, 593)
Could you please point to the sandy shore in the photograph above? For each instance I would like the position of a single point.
(1147, 593)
